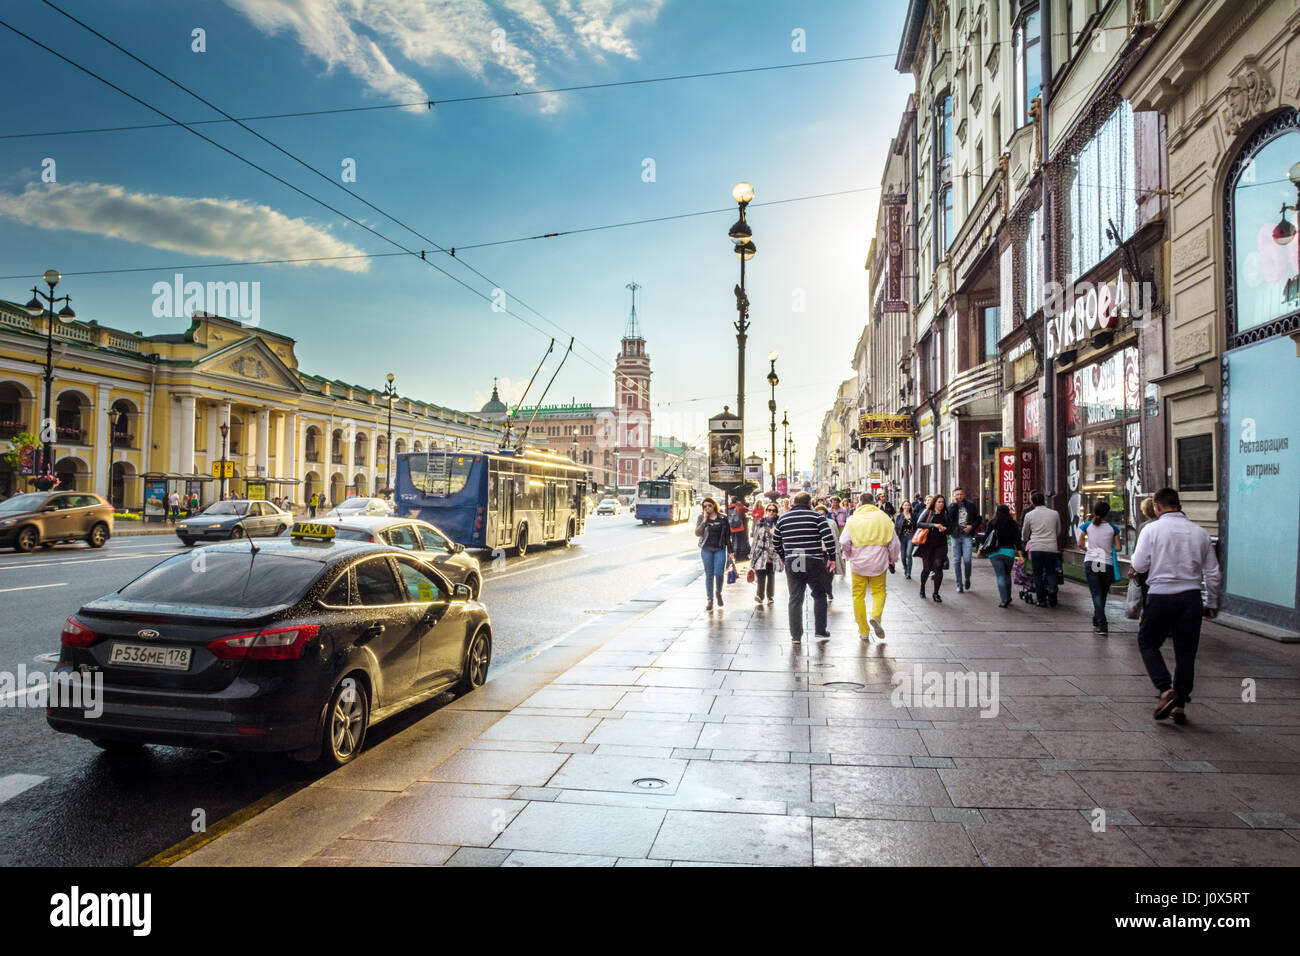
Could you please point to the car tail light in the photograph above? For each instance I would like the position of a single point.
(76, 634)
(275, 644)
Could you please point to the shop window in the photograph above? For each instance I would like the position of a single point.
(1196, 463)
(991, 332)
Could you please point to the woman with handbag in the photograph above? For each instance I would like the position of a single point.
(715, 547)
(1100, 564)
(1001, 546)
(931, 540)
(905, 527)
(763, 559)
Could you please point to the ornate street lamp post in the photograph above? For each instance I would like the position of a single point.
(225, 432)
(773, 381)
(785, 441)
(34, 308)
(390, 392)
(742, 239)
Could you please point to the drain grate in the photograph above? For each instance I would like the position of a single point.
(650, 783)
(843, 685)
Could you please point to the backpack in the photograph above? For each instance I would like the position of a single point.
(734, 521)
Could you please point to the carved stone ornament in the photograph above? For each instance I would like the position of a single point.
(1248, 95)
(250, 367)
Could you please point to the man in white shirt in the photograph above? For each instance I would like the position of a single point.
(1176, 555)
(1041, 531)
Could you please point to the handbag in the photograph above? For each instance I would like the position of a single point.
(751, 577)
(731, 571)
(990, 543)
(918, 539)
(1133, 600)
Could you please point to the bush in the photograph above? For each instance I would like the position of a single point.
(125, 516)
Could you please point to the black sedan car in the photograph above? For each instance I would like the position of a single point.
(298, 644)
(234, 519)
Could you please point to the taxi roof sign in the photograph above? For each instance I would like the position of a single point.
(312, 530)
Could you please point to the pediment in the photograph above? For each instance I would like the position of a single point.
(252, 362)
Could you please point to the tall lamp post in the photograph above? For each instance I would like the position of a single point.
(773, 381)
(742, 239)
(112, 449)
(390, 393)
(225, 432)
(34, 308)
(785, 448)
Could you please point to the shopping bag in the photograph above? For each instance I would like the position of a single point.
(1133, 601)
(751, 576)
(1020, 576)
(731, 571)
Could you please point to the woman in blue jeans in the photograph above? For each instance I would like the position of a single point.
(1001, 546)
(715, 545)
(1100, 567)
(905, 527)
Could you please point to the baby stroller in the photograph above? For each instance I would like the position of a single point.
(1025, 581)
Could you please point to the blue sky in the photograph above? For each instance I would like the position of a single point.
(467, 173)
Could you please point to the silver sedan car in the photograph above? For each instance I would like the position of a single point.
(413, 535)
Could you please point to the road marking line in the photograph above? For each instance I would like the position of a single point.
(15, 783)
(34, 587)
(119, 557)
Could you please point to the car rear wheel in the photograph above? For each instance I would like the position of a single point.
(27, 540)
(475, 587)
(98, 536)
(281, 529)
(346, 721)
(568, 534)
(477, 661)
(237, 531)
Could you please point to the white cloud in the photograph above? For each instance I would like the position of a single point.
(221, 228)
(359, 36)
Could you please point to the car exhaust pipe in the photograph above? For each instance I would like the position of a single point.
(218, 757)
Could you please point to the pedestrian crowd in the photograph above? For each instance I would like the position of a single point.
(813, 542)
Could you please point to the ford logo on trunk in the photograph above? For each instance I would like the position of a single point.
(147, 633)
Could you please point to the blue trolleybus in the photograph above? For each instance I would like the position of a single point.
(663, 499)
(499, 499)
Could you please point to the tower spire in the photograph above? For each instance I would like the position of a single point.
(633, 330)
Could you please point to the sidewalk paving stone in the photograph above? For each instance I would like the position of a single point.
(708, 837)
(582, 829)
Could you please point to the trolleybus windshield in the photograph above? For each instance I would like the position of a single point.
(439, 474)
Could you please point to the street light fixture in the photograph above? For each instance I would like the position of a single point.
(35, 307)
(785, 446)
(225, 432)
(742, 241)
(1284, 232)
(390, 392)
(773, 381)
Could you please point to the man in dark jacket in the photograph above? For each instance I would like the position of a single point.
(963, 521)
(806, 544)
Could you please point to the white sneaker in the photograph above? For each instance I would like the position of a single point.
(877, 628)
(866, 637)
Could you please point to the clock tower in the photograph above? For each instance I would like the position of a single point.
(632, 405)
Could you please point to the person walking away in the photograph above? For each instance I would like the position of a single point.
(933, 551)
(918, 505)
(905, 527)
(715, 544)
(1001, 545)
(737, 525)
(870, 547)
(175, 501)
(963, 521)
(763, 559)
(803, 541)
(1176, 555)
(835, 568)
(1100, 565)
(312, 502)
(1042, 532)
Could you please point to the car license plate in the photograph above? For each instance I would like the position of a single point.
(144, 655)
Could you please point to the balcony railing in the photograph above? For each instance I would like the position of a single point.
(123, 440)
(69, 433)
(313, 454)
(10, 429)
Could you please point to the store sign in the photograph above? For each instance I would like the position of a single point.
(894, 301)
(884, 426)
(1089, 310)
(978, 237)
(725, 468)
(1026, 472)
(1006, 458)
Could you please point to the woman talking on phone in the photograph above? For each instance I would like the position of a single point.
(715, 544)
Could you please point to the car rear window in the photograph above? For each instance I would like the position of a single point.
(225, 579)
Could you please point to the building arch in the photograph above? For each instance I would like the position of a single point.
(359, 443)
(311, 485)
(73, 473)
(337, 486)
(71, 417)
(123, 490)
(313, 445)
(16, 404)
(338, 447)
(362, 486)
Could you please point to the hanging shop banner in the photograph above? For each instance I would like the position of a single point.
(884, 426)
(27, 460)
(894, 301)
(1263, 449)
(1006, 458)
(1026, 473)
(725, 468)
(782, 486)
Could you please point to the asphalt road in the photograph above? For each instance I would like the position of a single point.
(63, 801)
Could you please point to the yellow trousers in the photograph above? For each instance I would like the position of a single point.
(860, 583)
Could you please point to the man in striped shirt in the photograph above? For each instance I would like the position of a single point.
(805, 542)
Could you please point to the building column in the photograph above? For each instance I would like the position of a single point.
(102, 426)
(187, 434)
(214, 436)
(263, 441)
(370, 461)
(287, 465)
(174, 434)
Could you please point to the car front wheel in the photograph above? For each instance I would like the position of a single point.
(98, 536)
(27, 540)
(237, 531)
(346, 720)
(477, 661)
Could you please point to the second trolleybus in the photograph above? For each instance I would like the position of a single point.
(664, 499)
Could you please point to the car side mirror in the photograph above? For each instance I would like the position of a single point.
(458, 548)
(461, 592)
(49, 508)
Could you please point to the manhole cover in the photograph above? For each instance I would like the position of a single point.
(650, 783)
(50, 658)
(843, 685)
